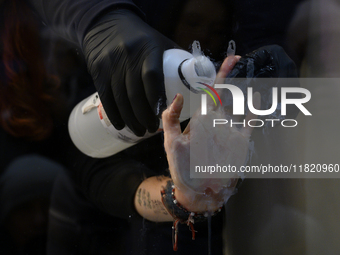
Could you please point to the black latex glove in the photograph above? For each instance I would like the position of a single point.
(125, 58)
(267, 62)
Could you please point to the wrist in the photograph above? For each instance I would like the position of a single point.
(196, 202)
(179, 212)
(182, 205)
(116, 14)
(147, 200)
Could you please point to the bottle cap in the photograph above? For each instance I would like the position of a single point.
(196, 73)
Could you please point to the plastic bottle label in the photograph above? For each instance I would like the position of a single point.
(125, 134)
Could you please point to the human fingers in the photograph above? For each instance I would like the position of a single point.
(121, 98)
(153, 82)
(139, 102)
(227, 65)
(170, 118)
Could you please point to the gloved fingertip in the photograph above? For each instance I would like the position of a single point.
(140, 132)
(153, 127)
(118, 125)
(160, 107)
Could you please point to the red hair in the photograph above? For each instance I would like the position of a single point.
(25, 102)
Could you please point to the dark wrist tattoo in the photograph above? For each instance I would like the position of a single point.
(144, 200)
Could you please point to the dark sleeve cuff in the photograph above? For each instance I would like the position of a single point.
(103, 7)
(72, 18)
(111, 183)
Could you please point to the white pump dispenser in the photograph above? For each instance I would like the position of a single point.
(92, 132)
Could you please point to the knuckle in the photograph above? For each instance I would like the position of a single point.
(133, 44)
(125, 46)
(153, 74)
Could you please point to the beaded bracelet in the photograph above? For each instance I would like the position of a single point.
(179, 213)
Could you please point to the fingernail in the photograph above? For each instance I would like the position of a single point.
(174, 98)
(230, 61)
(233, 59)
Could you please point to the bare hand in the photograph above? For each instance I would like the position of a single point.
(201, 144)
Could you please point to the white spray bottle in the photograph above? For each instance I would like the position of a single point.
(185, 73)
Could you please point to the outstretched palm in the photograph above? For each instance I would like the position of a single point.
(202, 145)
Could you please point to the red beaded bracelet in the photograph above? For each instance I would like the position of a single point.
(180, 213)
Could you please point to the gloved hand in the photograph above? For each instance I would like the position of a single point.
(267, 62)
(125, 58)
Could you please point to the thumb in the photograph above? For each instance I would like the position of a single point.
(170, 117)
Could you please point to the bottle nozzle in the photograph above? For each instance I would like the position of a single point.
(204, 67)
